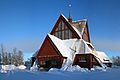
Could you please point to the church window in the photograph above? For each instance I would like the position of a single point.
(70, 34)
(66, 34)
(62, 34)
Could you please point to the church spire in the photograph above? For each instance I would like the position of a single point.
(70, 18)
(69, 10)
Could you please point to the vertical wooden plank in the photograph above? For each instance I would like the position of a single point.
(90, 64)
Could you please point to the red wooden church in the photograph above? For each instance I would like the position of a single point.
(70, 40)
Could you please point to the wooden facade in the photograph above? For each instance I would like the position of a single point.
(85, 60)
(49, 56)
(86, 35)
(83, 24)
(63, 29)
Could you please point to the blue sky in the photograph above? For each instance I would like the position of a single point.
(25, 23)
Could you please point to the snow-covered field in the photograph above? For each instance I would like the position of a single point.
(55, 74)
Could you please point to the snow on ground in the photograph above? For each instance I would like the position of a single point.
(22, 67)
(57, 74)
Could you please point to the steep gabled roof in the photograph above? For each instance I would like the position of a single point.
(79, 28)
(60, 45)
(70, 47)
(79, 44)
(65, 20)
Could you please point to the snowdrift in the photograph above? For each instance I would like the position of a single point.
(21, 67)
(9, 67)
(75, 68)
(34, 67)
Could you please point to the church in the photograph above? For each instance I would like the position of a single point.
(69, 43)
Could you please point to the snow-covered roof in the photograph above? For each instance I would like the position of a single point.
(70, 47)
(64, 17)
(64, 50)
(79, 45)
(103, 57)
